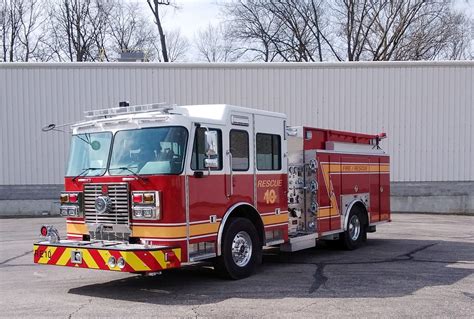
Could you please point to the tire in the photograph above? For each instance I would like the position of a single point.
(356, 232)
(241, 250)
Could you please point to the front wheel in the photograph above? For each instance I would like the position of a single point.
(355, 233)
(241, 250)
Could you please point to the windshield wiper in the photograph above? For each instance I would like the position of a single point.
(124, 168)
(85, 171)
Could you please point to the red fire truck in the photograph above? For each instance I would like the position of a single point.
(154, 187)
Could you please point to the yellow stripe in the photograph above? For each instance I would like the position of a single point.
(89, 259)
(163, 232)
(334, 210)
(65, 257)
(175, 231)
(177, 252)
(201, 229)
(160, 258)
(136, 263)
(44, 259)
(352, 168)
(326, 212)
(275, 219)
(77, 228)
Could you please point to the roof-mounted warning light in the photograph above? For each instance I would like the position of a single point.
(125, 108)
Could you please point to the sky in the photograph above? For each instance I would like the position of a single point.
(190, 16)
(195, 15)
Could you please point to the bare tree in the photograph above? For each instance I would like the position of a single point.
(100, 25)
(78, 29)
(214, 44)
(300, 30)
(284, 30)
(252, 28)
(155, 9)
(12, 15)
(4, 24)
(31, 34)
(130, 30)
(437, 32)
(177, 46)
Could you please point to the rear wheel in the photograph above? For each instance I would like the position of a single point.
(241, 250)
(355, 233)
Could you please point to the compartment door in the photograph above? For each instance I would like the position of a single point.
(375, 190)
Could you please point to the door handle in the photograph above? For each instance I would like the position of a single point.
(231, 174)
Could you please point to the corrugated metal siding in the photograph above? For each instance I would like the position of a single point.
(426, 108)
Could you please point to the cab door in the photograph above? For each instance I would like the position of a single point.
(207, 186)
(240, 161)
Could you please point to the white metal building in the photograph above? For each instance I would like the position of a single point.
(426, 108)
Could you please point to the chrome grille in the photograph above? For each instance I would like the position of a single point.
(119, 197)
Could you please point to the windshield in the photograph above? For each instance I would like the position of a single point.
(89, 154)
(157, 150)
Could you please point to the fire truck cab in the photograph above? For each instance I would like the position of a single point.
(153, 187)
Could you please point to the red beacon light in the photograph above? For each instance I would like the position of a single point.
(44, 231)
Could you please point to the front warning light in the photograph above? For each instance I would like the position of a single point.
(50, 233)
(146, 205)
(149, 198)
(71, 204)
(64, 198)
(44, 231)
(73, 198)
(138, 198)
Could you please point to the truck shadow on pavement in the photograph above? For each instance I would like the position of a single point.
(382, 268)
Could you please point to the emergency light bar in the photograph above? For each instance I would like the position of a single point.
(155, 107)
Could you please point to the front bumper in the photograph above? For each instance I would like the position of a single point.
(96, 255)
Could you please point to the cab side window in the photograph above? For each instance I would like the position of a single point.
(239, 147)
(199, 151)
(268, 152)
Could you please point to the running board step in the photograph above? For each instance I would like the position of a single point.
(299, 243)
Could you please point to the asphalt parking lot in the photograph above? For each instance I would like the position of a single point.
(416, 266)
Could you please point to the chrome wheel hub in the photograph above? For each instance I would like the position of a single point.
(354, 227)
(241, 249)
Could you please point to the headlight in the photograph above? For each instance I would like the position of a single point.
(147, 213)
(71, 203)
(72, 211)
(121, 263)
(112, 262)
(146, 205)
(137, 212)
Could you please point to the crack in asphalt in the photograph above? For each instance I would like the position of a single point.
(16, 257)
(17, 265)
(410, 254)
(320, 279)
(79, 308)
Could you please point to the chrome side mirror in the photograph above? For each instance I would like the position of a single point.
(211, 163)
(211, 143)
